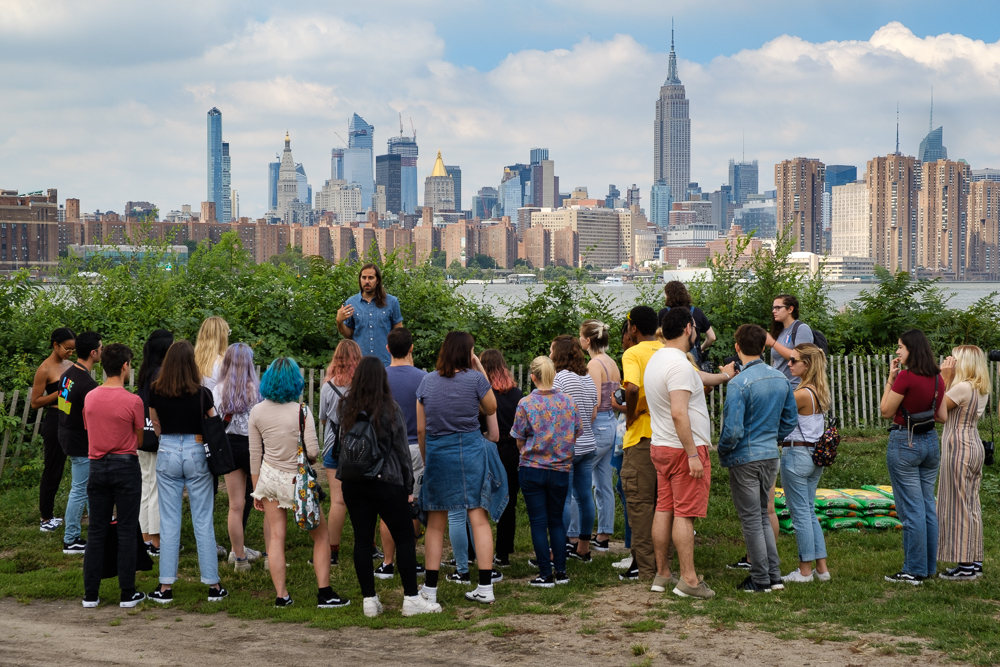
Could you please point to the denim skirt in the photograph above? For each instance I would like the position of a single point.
(463, 471)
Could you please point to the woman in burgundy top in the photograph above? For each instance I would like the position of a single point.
(913, 455)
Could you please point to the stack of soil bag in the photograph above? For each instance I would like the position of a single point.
(871, 507)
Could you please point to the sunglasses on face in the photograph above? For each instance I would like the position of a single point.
(792, 361)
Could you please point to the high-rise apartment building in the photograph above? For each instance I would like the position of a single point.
(941, 228)
(849, 220)
(892, 211)
(614, 198)
(672, 131)
(632, 197)
(599, 230)
(544, 182)
(660, 203)
(985, 175)
(359, 157)
(389, 173)
(800, 183)
(343, 200)
(227, 185)
(743, 180)
(722, 207)
(439, 188)
(758, 216)
(983, 216)
(836, 174)
(456, 177)
(216, 188)
(406, 148)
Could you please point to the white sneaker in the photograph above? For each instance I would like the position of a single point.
(429, 594)
(822, 576)
(798, 578)
(251, 554)
(418, 604)
(373, 607)
(482, 594)
(624, 563)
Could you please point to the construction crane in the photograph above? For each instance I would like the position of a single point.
(400, 123)
(342, 140)
(413, 128)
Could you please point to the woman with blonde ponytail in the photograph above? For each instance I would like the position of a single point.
(211, 345)
(595, 336)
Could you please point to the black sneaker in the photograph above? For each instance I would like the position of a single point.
(543, 582)
(561, 578)
(153, 551)
(385, 570)
(330, 601)
(217, 593)
(421, 570)
(960, 574)
(459, 578)
(978, 568)
(162, 596)
(749, 586)
(741, 564)
(286, 601)
(333, 560)
(132, 599)
(631, 574)
(905, 578)
(501, 562)
(599, 545)
(496, 577)
(377, 553)
(585, 558)
(91, 600)
(77, 546)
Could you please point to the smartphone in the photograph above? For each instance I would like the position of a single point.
(619, 396)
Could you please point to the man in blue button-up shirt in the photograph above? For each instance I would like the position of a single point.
(369, 316)
(760, 411)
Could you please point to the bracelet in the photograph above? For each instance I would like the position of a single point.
(728, 377)
(692, 456)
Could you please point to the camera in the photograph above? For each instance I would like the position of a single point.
(619, 396)
(734, 359)
(994, 355)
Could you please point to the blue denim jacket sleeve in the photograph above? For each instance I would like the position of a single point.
(395, 315)
(732, 419)
(789, 415)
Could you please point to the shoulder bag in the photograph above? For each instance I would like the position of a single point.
(921, 422)
(334, 447)
(307, 510)
(825, 450)
(217, 450)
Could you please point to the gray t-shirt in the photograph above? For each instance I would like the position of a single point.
(803, 335)
(452, 404)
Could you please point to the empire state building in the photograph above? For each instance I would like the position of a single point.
(672, 133)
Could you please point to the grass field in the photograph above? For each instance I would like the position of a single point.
(958, 618)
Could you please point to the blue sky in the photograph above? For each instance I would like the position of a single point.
(106, 100)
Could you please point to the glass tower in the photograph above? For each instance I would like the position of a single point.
(406, 148)
(273, 169)
(215, 187)
(359, 164)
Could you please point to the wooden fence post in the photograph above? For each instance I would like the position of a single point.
(6, 435)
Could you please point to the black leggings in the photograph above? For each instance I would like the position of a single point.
(54, 466)
(366, 501)
(507, 525)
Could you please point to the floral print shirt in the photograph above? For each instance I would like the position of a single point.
(549, 424)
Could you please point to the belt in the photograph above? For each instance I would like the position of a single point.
(119, 457)
(789, 443)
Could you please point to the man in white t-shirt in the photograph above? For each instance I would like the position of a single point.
(682, 435)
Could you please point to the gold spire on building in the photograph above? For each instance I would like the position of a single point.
(439, 169)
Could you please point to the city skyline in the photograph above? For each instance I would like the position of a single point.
(482, 118)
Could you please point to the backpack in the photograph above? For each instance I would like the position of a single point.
(361, 458)
(819, 340)
(825, 450)
(335, 445)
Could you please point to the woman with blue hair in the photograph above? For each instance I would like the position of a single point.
(235, 394)
(274, 445)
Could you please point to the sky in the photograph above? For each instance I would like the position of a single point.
(107, 100)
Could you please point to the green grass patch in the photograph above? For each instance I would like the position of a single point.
(958, 619)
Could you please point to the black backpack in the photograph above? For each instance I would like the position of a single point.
(819, 340)
(361, 457)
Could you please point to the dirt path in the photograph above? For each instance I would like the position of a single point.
(63, 633)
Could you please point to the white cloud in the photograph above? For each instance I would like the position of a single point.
(111, 128)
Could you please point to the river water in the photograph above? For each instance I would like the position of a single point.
(959, 295)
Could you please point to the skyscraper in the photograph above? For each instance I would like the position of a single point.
(742, 180)
(672, 132)
(337, 164)
(273, 170)
(389, 173)
(983, 213)
(215, 187)
(632, 197)
(660, 203)
(799, 183)
(290, 209)
(941, 230)
(544, 182)
(406, 148)
(613, 200)
(850, 231)
(483, 203)
(439, 188)
(227, 185)
(512, 196)
(836, 175)
(539, 154)
(304, 189)
(932, 146)
(456, 177)
(892, 211)
(358, 157)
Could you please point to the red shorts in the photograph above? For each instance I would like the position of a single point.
(676, 490)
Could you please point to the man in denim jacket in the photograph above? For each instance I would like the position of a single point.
(759, 412)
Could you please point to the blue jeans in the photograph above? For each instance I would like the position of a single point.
(581, 481)
(544, 494)
(616, 463)
(604, 496)
(800, 479)
(913, 470)
(181, 462)
(459, 538)
(77, 498)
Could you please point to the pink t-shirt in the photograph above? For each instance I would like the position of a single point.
(111, 416)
